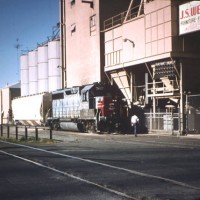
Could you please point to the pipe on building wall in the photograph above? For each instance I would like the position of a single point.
(154, 98)
(1, 99)
(149, 71)
(131, 86)
(146, 89)
(181, 114)
(63, 44)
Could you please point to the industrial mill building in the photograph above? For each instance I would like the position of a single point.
(141, 46)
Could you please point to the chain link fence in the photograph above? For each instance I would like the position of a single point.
(192, 111)
(162, 122)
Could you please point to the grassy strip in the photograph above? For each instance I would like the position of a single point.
(29, 140)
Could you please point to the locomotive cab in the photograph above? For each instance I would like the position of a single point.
(96, 111)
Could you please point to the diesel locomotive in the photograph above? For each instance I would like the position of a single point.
(95, 107)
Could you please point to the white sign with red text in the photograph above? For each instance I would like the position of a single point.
(189, 17)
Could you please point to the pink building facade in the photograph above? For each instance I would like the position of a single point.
(151, 62)
(84, 39)
(137, 45)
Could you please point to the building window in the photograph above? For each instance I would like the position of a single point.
(93, 21)
(147, 1)
(72, 2)
(73, 28)
(93, 25)
(89, 2)
(85, 96)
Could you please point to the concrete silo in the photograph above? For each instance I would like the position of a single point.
(43, 69)
(33, 72)
(55, 70)
(24, 70)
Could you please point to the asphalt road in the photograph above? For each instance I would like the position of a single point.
(89, 166)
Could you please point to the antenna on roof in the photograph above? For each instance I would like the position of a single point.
(17, 46)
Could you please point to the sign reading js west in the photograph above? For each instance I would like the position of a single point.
(189, 17)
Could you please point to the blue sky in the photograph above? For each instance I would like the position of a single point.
(32, 22)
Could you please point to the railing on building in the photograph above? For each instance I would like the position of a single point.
(113, 58)
(164, 122)
(119, 19)
(160, 89)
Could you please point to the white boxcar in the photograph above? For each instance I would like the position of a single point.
(32, 110)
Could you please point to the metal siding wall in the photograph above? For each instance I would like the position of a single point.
(43, 69)
(54, 72)
(33, 72)
(24, 75)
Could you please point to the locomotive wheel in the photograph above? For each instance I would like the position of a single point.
(102, 127)
(55, 125)
(81, 127)
(91, 127)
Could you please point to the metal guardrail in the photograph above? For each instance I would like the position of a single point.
(119, 19)
(160, 89)
(7, 129)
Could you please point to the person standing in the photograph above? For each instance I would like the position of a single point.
(134, 121)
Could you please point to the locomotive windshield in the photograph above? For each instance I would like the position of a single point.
(85, 92)
(58, 96)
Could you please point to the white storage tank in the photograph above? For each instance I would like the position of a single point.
(24, 71)
(33, 72)
(55, 69)
(43, 84)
